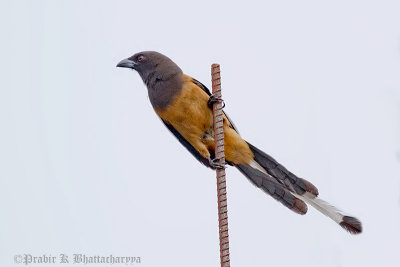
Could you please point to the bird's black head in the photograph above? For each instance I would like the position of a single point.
(150, 64)
(161, 75)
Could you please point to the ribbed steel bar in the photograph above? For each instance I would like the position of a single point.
(221, 178)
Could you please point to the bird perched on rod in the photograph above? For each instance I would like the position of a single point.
(185, 107)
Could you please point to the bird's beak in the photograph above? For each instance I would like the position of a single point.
(126, 63)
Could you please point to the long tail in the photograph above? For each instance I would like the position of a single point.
(350, 223)
(273, 188)
(300, 189)
(272, 167)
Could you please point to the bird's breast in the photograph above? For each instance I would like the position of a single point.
(189, 112)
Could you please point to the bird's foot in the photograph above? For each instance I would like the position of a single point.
(214, 163)
(213, 99)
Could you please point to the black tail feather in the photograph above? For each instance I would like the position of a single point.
(298, 185)
(273, 188)
(351, 224)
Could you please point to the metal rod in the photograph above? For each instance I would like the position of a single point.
(221, 178)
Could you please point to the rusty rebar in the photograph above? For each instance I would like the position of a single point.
(221, 178)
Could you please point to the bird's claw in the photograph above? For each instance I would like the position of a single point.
(214, 163)
(213, 99)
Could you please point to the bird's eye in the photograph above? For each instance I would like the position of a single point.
(141, 58)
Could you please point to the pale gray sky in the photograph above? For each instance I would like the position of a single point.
(87, 167)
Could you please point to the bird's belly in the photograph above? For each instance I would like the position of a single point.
(189, 114)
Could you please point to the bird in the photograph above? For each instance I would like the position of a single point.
(184, 105)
